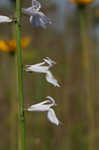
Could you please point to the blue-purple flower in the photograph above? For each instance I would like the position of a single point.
(37, 18)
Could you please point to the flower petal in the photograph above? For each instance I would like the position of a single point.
(36, 5)
(50, 78)
(35, 21)
(44, 18)
(52, 100)
(37, 68)
(5, 19)
(49, 61)
(39, 19)
(30, 11)
(42, 106)
(52, 117)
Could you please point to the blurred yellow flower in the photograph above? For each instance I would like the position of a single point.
(82, 1)
(97, 13)
(10, 46)
(4, 46)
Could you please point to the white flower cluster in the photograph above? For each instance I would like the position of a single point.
(46, 105)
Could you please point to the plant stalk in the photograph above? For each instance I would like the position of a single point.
(86, 58)
(20, 74)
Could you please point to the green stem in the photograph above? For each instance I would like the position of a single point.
(87, 76)
(20, 74)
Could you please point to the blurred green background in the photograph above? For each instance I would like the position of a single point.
(73, 42)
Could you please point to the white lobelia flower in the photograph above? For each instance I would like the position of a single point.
(45, 106)
(5, 19)
(43, 68)
(37, 18)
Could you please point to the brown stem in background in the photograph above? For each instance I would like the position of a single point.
(86, 60)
